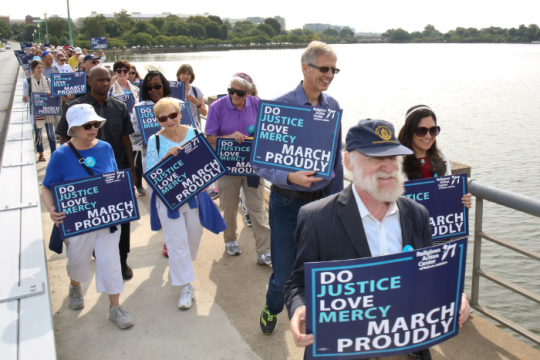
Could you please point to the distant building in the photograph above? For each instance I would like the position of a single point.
(258, 20)
(5, 19)
(317, 27)
(137, 16)
(282, 22)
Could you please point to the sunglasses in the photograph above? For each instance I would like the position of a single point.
(170, 116)
(61, 60)
(155, 87)
(324, 69)
(240, 93)
(121, 71)
(89, 126)
(422, 131)
(132, 73)
(95, 62)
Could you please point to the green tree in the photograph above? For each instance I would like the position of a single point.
(330, 32)
(158, 22)
(201, 20)
(346, 33)
(280, 39)
(182, 40)
(294, 39)
(274, 24)
(416, 35)
(175, 28)
(94, 26)
(196, 30)
(267, 29)
(212, 30)
(114, 28)
(144, 39)
(172, 18)
(308, 32)
(297, 32)
(145, 27)
(164, 40)
(57, 26)
(224, 31)
(123, 17)
(236, 41)
(215, 19)
(400, 35)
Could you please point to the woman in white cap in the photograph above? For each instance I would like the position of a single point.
(64, 165)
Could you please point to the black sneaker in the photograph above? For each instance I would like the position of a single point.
(268, 321)
(248, 220)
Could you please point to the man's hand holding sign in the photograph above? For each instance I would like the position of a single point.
(380, 304)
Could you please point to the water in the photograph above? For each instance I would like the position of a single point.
(487, 101)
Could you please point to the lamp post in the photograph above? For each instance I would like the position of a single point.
(39, 32)
(69, 25)
(34, 36)
(47, 29)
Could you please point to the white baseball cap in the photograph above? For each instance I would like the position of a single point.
(81, 114)
(78, 50)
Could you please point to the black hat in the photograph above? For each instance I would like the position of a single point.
(375, 138)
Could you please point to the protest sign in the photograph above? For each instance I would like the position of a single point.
(66, 83)
(44, 104)
(128, 100)
(296, 137)
(95, 202)
(27, 45)
(221, 95)
(386, 305)
(23, 61)
(178, 90)
(448, 217)
(97, 43)
(46, 46)
(235, 156)
(178, 178)
(150, 125)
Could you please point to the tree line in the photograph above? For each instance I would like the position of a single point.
(522, 34)
(124, 31)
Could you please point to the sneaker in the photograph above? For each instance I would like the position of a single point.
(214, 194)
(233, 248)
(120, 317)
(76, 300)
(165, 253)
(248, 220)
(268, 321)
(264, 259)
(141, 191)
(188, 294)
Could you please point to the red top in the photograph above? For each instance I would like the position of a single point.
(427, 167)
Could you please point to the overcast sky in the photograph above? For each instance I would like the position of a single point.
(368, 16)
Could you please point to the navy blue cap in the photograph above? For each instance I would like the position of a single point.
(375, 138)
(90, 57)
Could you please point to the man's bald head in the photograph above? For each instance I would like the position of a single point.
(97, 71)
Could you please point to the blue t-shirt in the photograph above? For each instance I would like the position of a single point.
(64, 165)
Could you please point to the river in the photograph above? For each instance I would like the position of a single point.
(487, 101)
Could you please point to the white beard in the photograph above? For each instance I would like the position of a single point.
(371, 185)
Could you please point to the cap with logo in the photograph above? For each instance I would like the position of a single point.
(375, 138)
(81, 114)
(90, 57)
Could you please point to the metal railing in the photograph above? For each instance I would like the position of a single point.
(514, 201)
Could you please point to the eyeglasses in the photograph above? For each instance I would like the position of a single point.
(61, 60)
(121, 71)
(422, 131)
(170, 116)
(324, 69)
(240, 93)
(89, 126)
(132, 73)
(155, 87)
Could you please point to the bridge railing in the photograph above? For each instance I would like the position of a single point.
(514, 201)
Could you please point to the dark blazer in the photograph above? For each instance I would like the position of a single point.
(331, 229)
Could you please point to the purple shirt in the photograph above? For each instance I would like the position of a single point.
(224, 118)
(279, 177)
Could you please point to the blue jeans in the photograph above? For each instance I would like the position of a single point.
(283, 215)
(39, 138)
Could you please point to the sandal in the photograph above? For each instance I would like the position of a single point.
(42, 158)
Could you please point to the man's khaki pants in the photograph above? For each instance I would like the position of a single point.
(229, 193)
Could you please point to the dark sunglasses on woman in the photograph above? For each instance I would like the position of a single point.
(155, 87)
(89, 126)
(170, 116)
(121, 71)
(240, 93)
(422, 131)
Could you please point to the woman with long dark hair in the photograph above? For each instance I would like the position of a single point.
(420, 135)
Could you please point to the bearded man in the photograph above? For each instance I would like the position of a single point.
(368, 218)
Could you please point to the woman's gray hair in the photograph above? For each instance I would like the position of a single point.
(244, 84)
(316, 49)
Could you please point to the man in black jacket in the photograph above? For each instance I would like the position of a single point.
(368, 218)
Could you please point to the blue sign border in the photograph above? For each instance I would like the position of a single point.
(93, 178)
(285, 167)
(456, 315)
(465, 231)
(164, 162)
